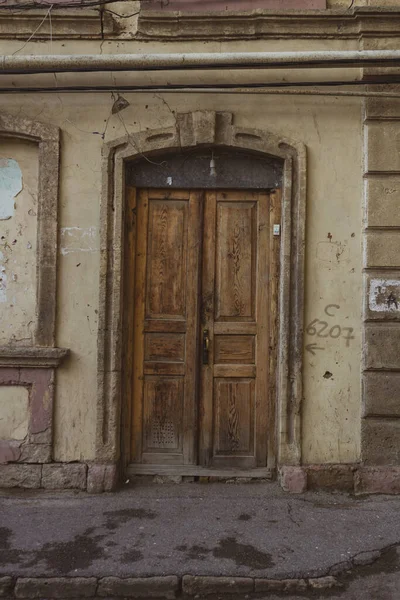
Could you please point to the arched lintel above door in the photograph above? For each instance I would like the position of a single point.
(208, 130)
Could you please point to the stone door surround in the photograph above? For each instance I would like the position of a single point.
(206, 129)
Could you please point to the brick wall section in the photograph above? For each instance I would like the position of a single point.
(381, 362)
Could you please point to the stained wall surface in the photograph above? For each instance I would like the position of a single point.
(18, 230)
(14, 413)
(331, 129)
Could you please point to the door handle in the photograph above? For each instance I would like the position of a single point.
(206, 346)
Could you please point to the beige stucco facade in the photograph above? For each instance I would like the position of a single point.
(331, 128)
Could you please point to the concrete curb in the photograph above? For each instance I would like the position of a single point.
(168, 587)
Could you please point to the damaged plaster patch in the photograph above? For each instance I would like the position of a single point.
(332, 252)
(10, 186)
(78, 239)
(384, 295)
(14, 412)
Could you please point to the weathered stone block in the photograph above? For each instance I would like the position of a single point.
(6, 586)
(381, 346)
(280, 585)
(382, 300)
(102, 478)
(381, 394)
(378, 480)
(197, 127)
(9, 451)
(323, 583)
(205, 586)
(382, 248)
(55, 587)
(382, 107)
(24, 476)
(380, 441)
(383, 144)
(161, 479)
(331, 477)
(383, 201)
(36, 453)
(64, 476)
(141, 587)
(42, 437)
(293, 479)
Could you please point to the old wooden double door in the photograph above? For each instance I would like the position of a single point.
(203, 327)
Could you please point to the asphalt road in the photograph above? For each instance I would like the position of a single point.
(206, 529)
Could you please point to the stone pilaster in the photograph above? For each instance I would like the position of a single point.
(381, 361)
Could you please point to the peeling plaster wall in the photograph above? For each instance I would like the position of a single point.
(14, 412)
(331, 128)
(18, 230)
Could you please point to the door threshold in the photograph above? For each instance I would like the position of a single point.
(196, 471)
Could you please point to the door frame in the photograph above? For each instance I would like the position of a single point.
(212, 130)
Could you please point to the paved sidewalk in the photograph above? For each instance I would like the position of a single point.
(236, 530)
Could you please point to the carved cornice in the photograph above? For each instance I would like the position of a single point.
(261, 24)
(359, 23)
(32, 357)
(65, 24)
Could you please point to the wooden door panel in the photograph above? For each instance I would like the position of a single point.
(234, 418)
(167, 259)
(163, 326)
(164, 347)
(166, 324)
(234, 349)
(163, 412)
(163, 368)
(236, 256)
(234, 371)
(234, 392)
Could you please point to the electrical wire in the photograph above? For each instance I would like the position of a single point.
(43, 4)
(37, 29)
(273, 88)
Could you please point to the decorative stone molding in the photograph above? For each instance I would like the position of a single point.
(64, 24)
(33, 367)
(212, 130)
(357, 24)
(236, 5)
(48, 139)
(27, 356)
(82, 23)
